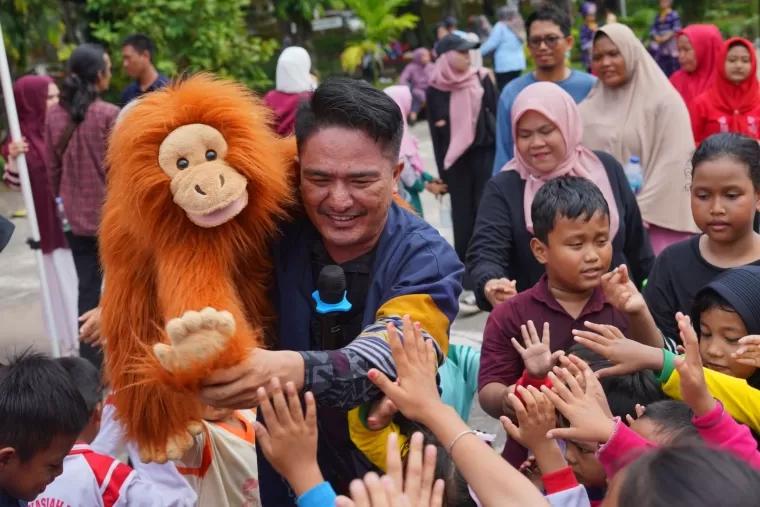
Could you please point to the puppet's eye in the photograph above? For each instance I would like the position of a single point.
(182, 164)
(210, 155)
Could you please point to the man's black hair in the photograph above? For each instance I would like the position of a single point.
(38, 402)
(672, 421)
(352, 104)
(553, 14)
(141, 43)
(86, 378)
(568, 197)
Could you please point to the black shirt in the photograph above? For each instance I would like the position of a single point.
(678, 274)
(133, 91)
(500, 245)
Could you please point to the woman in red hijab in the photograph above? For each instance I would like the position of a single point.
(34, 96)
(699, 48)
(732, 103)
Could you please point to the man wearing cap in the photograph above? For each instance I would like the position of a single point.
(461, 102)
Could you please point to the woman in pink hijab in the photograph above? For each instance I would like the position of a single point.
(461, 104)
(34, 95)
(548, 132)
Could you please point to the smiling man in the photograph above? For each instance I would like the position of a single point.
(348, 135)
(549, 40)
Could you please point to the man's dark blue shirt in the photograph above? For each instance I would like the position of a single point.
(133, 90)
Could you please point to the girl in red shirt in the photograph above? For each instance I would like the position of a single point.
(732, 103)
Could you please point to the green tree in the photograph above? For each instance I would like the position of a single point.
(301, 13)
(33, 30)
(190, 35)
(381, 25)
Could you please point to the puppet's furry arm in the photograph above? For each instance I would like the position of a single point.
(156, 416)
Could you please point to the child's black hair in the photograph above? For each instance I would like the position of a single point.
(673, 421)
(623, 392)
(694, 476)
(743, 149)
(86, 378)
(568, 197)
(709, 299)
(38, 402)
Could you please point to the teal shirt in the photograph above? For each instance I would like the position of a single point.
(459, 378)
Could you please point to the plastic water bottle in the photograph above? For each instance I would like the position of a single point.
(445, 211)
(62, 214)
(634, 174)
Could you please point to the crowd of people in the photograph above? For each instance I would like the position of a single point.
(606, 219)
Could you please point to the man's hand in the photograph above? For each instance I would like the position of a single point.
(621, 292)
(16, 149)
(499, 290)
(416, 393)
(237, 387)
(89, 332)
(536, 354)
(693, 385)
(749, 351)
(589, 422)
(289, 441)
(628, 355)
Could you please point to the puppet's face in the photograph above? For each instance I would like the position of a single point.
(203, 184)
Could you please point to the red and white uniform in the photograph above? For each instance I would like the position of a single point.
(221, 466)
(90, 479)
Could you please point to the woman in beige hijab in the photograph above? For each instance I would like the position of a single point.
(634, 111)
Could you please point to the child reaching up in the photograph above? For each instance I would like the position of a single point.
(725, 196)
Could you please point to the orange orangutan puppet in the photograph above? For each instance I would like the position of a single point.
(197, 182)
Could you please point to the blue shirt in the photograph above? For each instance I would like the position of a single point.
(578, 85)
(509, 55)
(321, 495)
(133, 90)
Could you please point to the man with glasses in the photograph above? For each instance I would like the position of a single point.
(549, 40)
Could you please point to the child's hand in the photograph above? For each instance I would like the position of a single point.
(589, 421)
(640, 410)
(416, 393)
(381, 414)
(621, 292)
(16, 149)
(628, 355)
(419, 489)
(693, 386)
(89, 332)
(535, 417)
(289, 441)
(749, 352)
(536, 355)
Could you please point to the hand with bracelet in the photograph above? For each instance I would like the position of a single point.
(493, 480)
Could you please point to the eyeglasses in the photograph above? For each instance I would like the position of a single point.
(551, 41)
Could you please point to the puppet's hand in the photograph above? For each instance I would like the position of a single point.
(175, 447)
(196, 337)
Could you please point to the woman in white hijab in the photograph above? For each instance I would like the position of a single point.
(293, 83)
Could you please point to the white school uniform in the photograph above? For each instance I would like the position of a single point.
(221, 466)
(90, 479)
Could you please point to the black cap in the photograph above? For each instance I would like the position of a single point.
(738, 286)
(454, 42)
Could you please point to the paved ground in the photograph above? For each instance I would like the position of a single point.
(21, 319)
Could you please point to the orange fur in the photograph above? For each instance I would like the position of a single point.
(158, 264)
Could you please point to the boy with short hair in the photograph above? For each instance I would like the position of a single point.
(94, 479)
(42, 415)
(571, 222)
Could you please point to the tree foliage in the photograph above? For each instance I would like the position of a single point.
(381, 25)
(190, 35)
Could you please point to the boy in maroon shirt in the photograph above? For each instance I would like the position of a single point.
(571, 225)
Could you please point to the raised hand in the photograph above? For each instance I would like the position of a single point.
(621, 292)
(289, 440)
(628, 355)
(749, 351)
(536, 354)
(693, 385)
(535, 418)
(499, 290)
(415, 393)
(589, 422)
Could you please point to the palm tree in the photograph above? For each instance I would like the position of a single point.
(381, 25)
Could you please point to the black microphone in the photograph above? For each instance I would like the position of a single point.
(331, 300)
